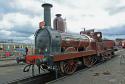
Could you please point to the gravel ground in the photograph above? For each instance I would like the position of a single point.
(110, 72)
(11, 73)
(7, 63)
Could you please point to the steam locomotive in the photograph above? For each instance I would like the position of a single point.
(63, 52)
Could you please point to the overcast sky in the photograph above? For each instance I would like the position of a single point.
(19, 19)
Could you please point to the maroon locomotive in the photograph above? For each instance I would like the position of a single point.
(56, 50)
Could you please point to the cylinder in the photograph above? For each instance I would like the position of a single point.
(47, 13)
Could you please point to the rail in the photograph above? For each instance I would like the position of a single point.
(39, 79)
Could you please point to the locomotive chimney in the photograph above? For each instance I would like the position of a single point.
(47, 13)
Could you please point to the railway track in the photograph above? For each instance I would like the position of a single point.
(38, 79)
(48, 77)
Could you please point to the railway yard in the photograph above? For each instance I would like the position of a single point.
(61, 57)
(110, 72)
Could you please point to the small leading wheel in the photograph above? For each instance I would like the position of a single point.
(89, 61)
(68, 67)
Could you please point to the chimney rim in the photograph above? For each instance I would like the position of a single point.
(58, 15)
(47, 4)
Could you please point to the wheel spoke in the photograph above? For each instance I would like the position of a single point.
(66, 66)
(69, 67)
(72, 68)
(68, 70)
(89, 61)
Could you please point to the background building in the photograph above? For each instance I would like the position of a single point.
(14, 49)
